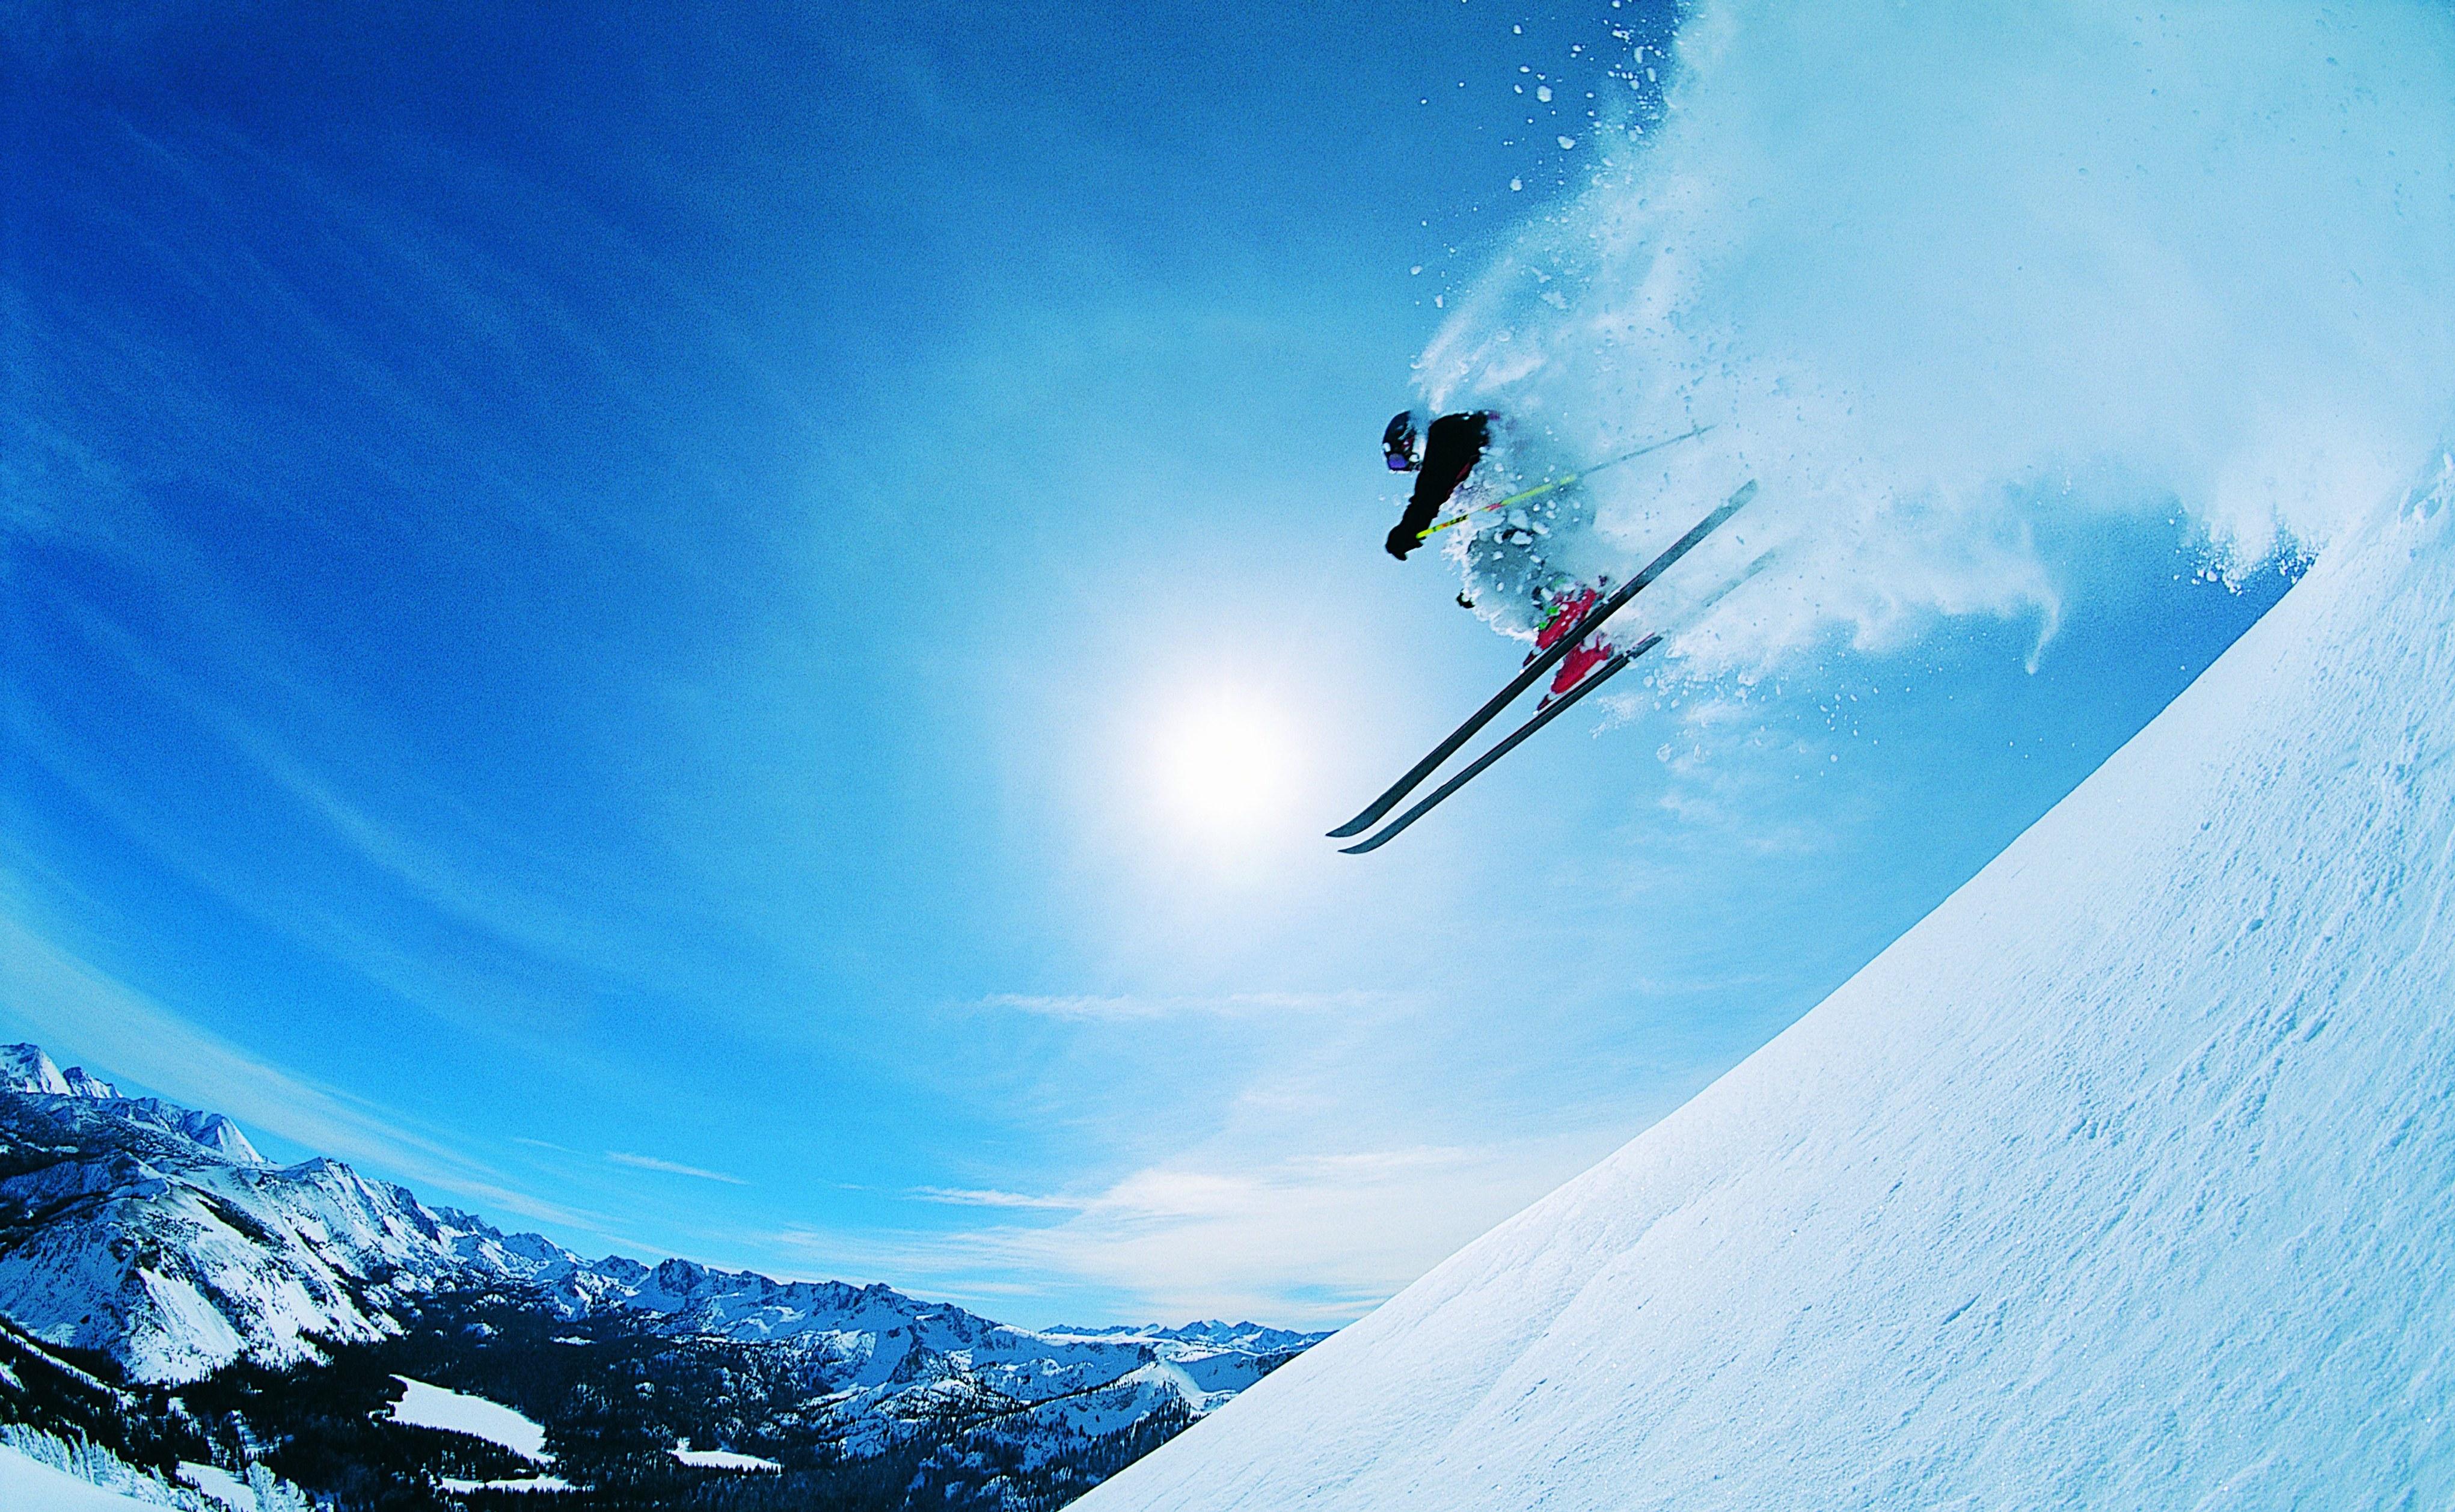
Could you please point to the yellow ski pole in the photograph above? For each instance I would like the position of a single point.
(1561, 482)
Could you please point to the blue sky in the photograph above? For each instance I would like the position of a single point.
(623, 616)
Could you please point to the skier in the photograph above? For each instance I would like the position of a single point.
(1451, 446)
(1569, 627)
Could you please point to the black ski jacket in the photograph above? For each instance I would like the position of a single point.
(1452, 445)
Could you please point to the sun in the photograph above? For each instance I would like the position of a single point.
(1223, 766)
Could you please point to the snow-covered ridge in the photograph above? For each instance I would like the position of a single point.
(1209, 1332)
(2126, 1179)
(25, 1068)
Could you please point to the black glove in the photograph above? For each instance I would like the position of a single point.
(1401, 541)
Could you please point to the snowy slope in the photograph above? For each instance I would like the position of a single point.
(26, 1486)
(2126, 1179)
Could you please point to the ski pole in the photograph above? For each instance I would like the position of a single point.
(1541, 489)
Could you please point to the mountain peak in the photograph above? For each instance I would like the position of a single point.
(219, 1134)
(25, 1068)
(81, 1084)
(29, 1068)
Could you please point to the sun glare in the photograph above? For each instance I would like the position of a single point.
(1225, 767)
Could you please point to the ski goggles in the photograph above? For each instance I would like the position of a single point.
(1398, 442)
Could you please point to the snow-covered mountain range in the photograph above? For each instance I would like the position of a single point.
(25, 1068)
(158, 1237)
(2126, 1179)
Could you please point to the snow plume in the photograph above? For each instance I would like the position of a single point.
(1937, 273)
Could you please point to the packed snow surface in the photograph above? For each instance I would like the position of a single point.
(426, 1406)
(2126, 1179)
(30, 1485)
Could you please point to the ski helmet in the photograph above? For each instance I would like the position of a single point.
(1398, 442)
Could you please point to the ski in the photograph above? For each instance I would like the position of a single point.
(1543, 662)
(1546, 714)
(1543, 717)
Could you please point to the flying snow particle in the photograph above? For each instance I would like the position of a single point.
(1413, 272)
(1567, 142)
(1543, 93)
(1516, 183)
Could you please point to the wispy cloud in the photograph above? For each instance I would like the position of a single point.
(469, 988)
(514, 913)
(459, 874)
(1310, 1239)
(88, 1014)
(650, 1162)
(966, 1197)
